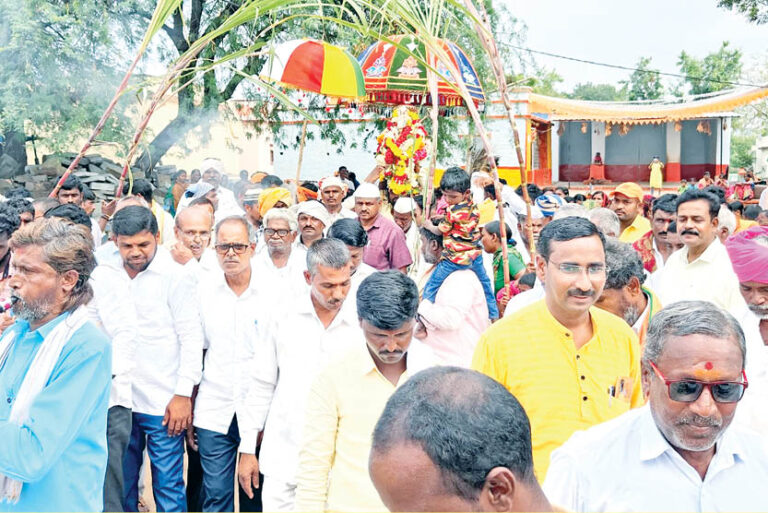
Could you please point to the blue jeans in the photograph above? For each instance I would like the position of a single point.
(218, 455)
(166, 457)
(445, 267)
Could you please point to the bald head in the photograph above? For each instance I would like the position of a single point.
(193, 229)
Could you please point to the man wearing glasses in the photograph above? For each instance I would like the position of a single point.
(281, 266)
(229, 305)
(193, 236)
(678, 453)
(570, 364)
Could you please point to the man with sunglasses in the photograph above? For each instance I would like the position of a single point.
(570, 364)
(229, 305)
(678, 453)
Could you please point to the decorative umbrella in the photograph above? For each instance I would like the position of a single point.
(392, 76)
(315, 66)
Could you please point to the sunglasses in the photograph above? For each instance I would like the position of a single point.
(239, 249)
(689, 390)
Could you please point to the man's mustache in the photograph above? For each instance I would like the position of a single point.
(699, 421)
(579, 292)
(689, 232)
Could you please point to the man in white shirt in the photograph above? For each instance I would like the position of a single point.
(111, 287)
(537, 223)
(352, 233)
(653, 246)
(168, 363)
(748, 251)
(313, 220)
(624, 294)
(406, 214)
(193, 238)
(229, 305)
(280, 267)
(332, 192)
(293, 345)
(702, 269)
(452, 325)
(677, 453)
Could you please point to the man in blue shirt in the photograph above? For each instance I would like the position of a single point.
(53, 402)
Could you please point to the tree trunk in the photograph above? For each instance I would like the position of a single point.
(15, 147)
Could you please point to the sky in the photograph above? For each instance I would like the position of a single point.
(621, 31)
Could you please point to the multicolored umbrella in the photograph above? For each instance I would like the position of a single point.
(392, 76)
(315, 66)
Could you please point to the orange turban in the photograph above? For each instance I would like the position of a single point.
(271, 196)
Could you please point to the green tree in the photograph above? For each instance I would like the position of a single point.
(715, 72)
(742, 154)
(756, 11)
(598, 92)
(644, 83)
(58, 72)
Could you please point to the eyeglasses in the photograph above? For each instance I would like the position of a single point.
(239, 249)
(192, 234)
(573, 269)
(689, 390)
(269, 232)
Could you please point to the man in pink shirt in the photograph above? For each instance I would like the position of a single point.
(387, 248)
(452, 325)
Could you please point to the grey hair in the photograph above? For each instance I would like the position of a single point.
(571, 210)
(691, 318)
(238, 219)
(623, 262)
(606, 220)
(282, 214)
(66, 247)
(331, 253)
(726, 219)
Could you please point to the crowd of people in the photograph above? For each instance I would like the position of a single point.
(272, 346)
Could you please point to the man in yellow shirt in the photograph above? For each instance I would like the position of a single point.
(571, 365)
(627, 202)
(348, 396)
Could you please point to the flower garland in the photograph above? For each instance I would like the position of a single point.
(402, 146)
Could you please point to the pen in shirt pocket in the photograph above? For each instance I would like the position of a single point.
(611, 395)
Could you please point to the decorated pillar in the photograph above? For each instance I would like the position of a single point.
(672, 165)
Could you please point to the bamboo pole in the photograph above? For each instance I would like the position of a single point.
(301, 156)
(434, 112)
(486, 37)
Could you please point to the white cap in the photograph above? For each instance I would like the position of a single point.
(404, 205)
(315, 209)
(332, 181)
(214, 164)
(367, 190)
(536, 212)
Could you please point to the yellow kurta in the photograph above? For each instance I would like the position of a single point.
(562, 389)
(656, 177)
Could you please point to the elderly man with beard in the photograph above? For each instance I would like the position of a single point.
(54, 376)
(702, 270)
(294, 344)
(569, 364)
(748, 251)
(193, 235)
(347, 398)
(313, 219)
(627, 202)
(169, 348)
(680, 452)
(230, 302)
(624, 294)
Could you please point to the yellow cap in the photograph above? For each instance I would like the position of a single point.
(630, 190)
